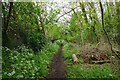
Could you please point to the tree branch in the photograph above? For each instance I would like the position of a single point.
(66, 13)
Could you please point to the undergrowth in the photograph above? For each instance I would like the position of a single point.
(84, 70)
(25, 63)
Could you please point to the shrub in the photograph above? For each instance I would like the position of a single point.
(36, 41)
(26, 64)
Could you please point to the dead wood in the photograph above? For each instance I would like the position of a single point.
(75, 59)
(100, 62)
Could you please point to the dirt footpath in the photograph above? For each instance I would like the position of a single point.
(57, 66)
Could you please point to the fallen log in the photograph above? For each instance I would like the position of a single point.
(75, 59)
(100, 62)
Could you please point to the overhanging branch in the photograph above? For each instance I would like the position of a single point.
(66, 13)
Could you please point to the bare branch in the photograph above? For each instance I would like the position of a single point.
(66, 13)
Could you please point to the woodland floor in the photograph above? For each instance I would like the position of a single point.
(57, 66)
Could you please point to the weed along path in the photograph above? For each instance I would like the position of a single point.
(57, 66)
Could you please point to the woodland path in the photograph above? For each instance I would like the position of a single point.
(57, 66)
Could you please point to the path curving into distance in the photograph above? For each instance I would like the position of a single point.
(57, 66)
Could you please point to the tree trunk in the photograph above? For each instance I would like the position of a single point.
(8, 17)
(102, 13)
(42, 25)
(118, 13)
(5, 39)
(93, 18)
(81, 29)
(84, 12)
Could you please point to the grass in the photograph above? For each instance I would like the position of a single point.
(26, 63)
(90, 71)
(84, 70)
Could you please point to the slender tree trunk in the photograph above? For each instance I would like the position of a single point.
(84, 12)
(42, 25)
(8, 17)
(102, 13)
(93, 26)
(81, 29)
(118, 13)
(5, 39)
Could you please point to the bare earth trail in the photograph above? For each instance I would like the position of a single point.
(57, 66)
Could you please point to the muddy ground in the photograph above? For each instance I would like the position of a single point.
(57, 66)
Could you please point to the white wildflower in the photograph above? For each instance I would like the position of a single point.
(19, 76)
(13, 72)
(33, 61)
(110, 75)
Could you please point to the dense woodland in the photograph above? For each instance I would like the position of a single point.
(33, 31)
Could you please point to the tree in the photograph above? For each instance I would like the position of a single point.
(6, 19)
(94, 21)
(102, 13)
(118, 26)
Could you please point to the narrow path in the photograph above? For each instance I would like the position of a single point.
(57, 66)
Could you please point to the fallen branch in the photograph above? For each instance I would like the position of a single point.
(75, 59)
(100, 62)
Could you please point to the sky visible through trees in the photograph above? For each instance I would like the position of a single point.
(39, 36)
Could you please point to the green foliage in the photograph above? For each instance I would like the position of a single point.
(23, 25)
(36, 41)
(60, 41)
(90, 71)
(86, 71)
(75, 27)
(67, 53)
(31, 24)
(26, 64)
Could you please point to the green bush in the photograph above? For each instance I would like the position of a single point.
(26, 64)
(36, 41)
(60, 41)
